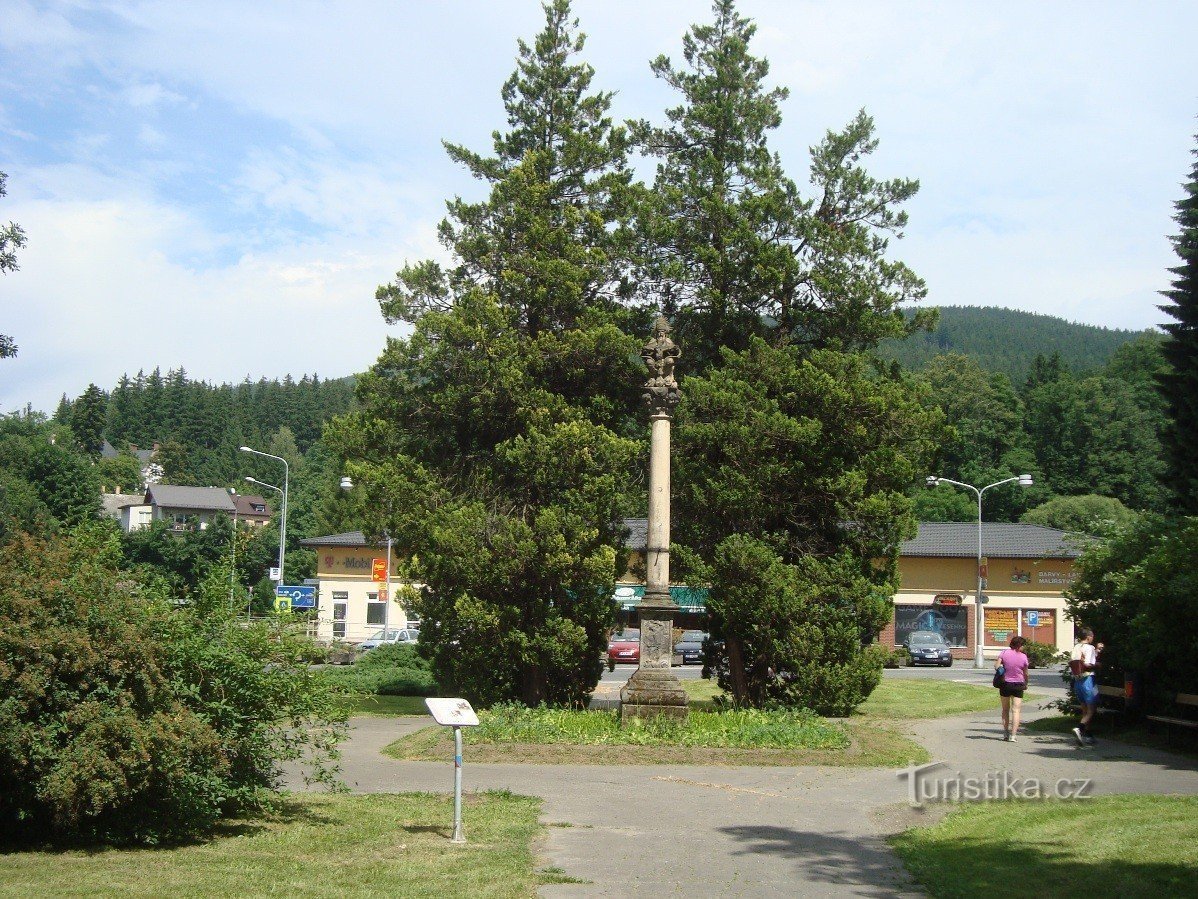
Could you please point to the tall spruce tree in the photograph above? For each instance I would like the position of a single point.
(1179, 384)
(88, 416)
(732, 247)
(487, 441)
(795, 449)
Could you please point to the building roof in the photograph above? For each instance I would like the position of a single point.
(112, 503)
(349, 538)
(638, 533)
(999, 539)
(245, 505)
(205, 499)
(950, 539)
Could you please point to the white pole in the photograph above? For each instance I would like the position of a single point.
(978, 660)
(387, 607)
(458, 835)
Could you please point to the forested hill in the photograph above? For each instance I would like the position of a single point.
(199, 426)
(1007, 341)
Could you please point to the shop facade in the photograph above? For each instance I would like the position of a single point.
(351, 604)
(1026, 570)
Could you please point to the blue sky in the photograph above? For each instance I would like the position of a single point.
(222, 186)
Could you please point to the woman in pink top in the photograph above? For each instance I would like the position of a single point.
(1014, 682)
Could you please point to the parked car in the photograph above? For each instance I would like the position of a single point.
(407, 635)
(689, 648)
(928, 648)
(624, 646)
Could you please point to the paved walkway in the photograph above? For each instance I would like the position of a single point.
(663, 830)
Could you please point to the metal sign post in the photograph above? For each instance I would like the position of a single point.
(455, 713)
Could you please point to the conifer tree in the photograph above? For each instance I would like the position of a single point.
(733, 247)
(1179, 384)
(88, 416)
(487, 441)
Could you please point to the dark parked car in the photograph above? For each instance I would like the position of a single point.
(689, 648)
(624, 646)
(928, 648)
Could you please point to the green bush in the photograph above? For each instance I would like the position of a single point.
(124, 717)
(893, 658)
(789, 635)
(1042, 655)
(392, 670)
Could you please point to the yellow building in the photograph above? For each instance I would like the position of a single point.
(351, 605)
(1026, 569)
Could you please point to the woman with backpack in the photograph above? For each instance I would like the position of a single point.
(1013, 664)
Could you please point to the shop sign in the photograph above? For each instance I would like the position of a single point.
(948, 599)
(1056, 577)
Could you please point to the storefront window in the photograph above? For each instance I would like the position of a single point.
(951, 622)
(1040, 625)
(1001, 626)
(376, 612)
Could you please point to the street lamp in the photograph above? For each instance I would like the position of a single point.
(283, 526)
(1024, 480)
(347, 484)
(283, 520)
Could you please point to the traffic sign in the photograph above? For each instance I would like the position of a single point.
(275, 574)
(298, 597)
(378, 569)
(282, 604)
(1033, 619)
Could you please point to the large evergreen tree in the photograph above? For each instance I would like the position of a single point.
(1180, 383)
(733, 249)
(795, 450)
(88, 415)
(487, 441)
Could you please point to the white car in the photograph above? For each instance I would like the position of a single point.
(408, 635)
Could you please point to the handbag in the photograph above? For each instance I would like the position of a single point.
(998, 673)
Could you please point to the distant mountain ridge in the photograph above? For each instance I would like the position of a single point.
(1008, 340)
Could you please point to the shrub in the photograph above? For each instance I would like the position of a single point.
(789, 635)
(893, 658)
(126, 718)
(1042, 655)
(391, 670)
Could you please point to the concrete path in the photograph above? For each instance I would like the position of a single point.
(661, 830)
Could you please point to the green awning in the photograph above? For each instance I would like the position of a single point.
(689, 599)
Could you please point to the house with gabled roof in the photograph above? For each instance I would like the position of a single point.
(188, 508)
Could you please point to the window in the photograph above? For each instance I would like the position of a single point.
(340, 603)
(376, 612)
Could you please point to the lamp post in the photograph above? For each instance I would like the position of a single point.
(233, 563)
(1025, 480)
(283, 521)
(282, 527)
(347, 484)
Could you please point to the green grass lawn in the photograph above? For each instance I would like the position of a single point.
(927, 698)
(1111, 846)
(552, 736)
(897, 699)
(373, 704)
(382, 845)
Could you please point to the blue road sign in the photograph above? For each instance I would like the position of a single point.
(1033, 619)
(301, 597)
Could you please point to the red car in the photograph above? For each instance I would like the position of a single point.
(624, 646)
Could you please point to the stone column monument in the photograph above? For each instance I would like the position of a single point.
(654, 690)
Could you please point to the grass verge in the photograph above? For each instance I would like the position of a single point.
(373, 704)
(393, 845)
(1110, 846)
(1113, 727)
(927, 698)
(541, 736)
(895, 699)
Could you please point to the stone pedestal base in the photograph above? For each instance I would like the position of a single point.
(653, 693)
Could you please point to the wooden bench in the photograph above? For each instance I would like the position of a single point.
(1183, 701)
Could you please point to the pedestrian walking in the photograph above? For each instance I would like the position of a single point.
(1013, 663)
(1083, 662)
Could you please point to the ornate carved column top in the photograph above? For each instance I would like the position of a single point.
(660, 353)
